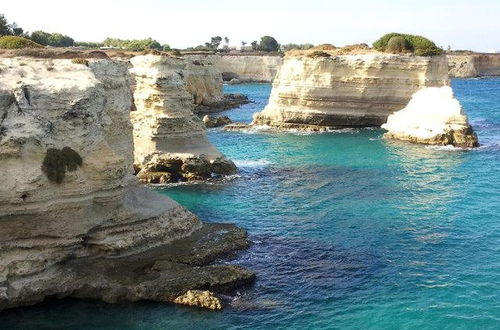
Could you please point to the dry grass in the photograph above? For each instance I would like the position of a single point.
(330, 50)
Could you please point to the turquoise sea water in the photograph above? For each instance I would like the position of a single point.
(350, 231)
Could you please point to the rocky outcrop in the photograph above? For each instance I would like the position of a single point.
(433, 116)
(73, 219)
(198, 298)
(328, 90)
(211, 122)
(473, 65)
(244, 68)
(166, 131)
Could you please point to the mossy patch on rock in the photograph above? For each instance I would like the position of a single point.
(57, 162)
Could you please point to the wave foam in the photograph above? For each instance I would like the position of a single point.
(251, 163)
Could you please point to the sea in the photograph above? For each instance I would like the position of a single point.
(349, 231)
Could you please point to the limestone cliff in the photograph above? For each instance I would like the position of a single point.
(170, 141)
(433, 116)
(474, 65)
(245, 68)
(319, 90)
(73, 219)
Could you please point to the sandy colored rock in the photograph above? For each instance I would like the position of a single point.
(164, 122)
(211, 122)
(244, 68)
(83, 233)
(473, 65)
(347, 90)
(198, 298)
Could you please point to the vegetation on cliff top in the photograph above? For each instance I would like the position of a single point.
(399, 43)
(16, 42)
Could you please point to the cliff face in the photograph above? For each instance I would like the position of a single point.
(170, 141)
(68, 199)
(474, 65)
(245, 68)
(204, 82)
(347, 90)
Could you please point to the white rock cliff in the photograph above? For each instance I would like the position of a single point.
(357, 90)
(68, 197)
(245, 68)
(170, 141)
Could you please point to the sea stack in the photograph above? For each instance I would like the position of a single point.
(316, 90)
(169, 139)
(74, 221)
(433, 116)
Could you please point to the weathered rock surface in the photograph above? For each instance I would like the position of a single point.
(347, 90)
(164, 122)
(211, 122)
(228, 101)
(165, 168)
(244, 68)
(78, 223)
(474, 65)
(198, 298)
(433, 116)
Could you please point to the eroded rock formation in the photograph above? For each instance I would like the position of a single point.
(166, 130)
(73, 219)
(317, 90)
(244, 68)
(433, 116)
(474, 65)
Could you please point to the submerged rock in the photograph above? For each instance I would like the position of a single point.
(211, 122)
(198, 298)
(433, 116)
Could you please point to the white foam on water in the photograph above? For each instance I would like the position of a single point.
(251, 163)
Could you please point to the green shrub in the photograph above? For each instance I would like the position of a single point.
(57, 162)
(15, 42)
(398, 44)
(80, 61)
(417, 44)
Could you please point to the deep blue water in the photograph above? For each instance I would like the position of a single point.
(350, 231)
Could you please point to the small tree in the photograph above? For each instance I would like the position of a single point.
(16, 30)
(40, 37)
(255, 45)
(215, 42)
(4, 26)
(268, 44)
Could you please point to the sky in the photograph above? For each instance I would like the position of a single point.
(461, 24)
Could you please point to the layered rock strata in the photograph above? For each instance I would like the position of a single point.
(314, 91)
(170, 141)
(474, 65)
(73, 219)
(244, 68)
(433, 116)
(204, 83)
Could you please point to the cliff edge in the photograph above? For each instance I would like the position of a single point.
(319, 90)
(71, 211)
